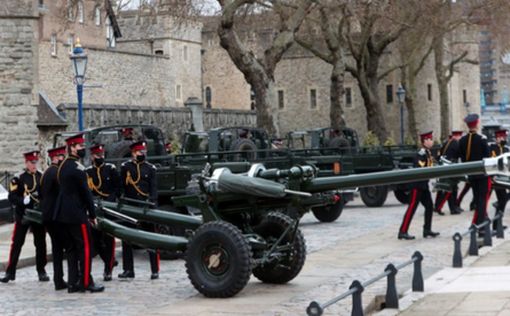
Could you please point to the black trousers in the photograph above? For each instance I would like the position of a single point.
(58, 244)
(127, 254)
(104, 246)
(502, 196)
(443, 196)
(418, 196)
(481, 193)
(78, 254)
(18, 239)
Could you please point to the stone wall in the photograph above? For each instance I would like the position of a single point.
(18, 69)
(173, 121)
(125, 78)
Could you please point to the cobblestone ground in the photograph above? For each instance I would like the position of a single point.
(357, 246)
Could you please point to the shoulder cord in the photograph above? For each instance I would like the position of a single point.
(133, 183)
(468, 154)
(446, 147)
(32, 189)
(93, 186)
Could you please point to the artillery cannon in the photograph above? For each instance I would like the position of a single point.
(240, 232)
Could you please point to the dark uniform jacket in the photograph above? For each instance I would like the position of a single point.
(104, 181)
(422, 159)
(49, 192)
(21, 185)
(450, 150)
(496, 150)
(473, 147)
(139, 181)
(75, 204)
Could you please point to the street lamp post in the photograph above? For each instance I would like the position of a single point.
(79, 59)
(401, 95)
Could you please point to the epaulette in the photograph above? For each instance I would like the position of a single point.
(89, 167)
(151, 165)
(422, 151)
(110, 165)
(80, 166)
(483, 136)
(125, 163)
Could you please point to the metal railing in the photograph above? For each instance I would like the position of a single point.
(356, 289)
(473, 243)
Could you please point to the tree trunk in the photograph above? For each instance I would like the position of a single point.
(442, 83)
(375, 119)
(337, 91)
(410, 87)
(266, 104)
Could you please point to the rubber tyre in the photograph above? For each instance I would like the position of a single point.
(401, 195)
(232, 272)
(374, 196)
(329, 213)
(271, 228)
(244, 144)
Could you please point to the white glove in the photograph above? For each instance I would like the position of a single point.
(26, 200)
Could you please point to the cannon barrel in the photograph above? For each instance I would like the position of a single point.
(488, 166)
(235, 183)
(142, 238)
(154, 215)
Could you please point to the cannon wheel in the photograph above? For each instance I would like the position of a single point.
(287, 268)
(329, 213)
(218, 260)
(402, 195)
(374, 196)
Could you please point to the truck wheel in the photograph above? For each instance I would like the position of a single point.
(374, 196)
(402, 196)
(245, 145)
(328, 213)
(288, 262)
(218, 260)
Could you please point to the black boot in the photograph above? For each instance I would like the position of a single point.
(60, 285)
(429, 233)
(43, 277)
(154, 276)
(8, 277)
(405, 236)
(439, 212)
(107, 276)
(95, 288)
(126, 275)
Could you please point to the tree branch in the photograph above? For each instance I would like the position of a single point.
(390, 70)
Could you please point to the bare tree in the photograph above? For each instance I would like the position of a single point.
(259, 70)
(372, 27)
(329, 46)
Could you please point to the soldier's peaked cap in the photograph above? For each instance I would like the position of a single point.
(457, 133)
(501, 133)
(57, 151)
(76, 139)
(97, 149)
(471, 119)
(142, 145)
(426, 135)
(32, 155)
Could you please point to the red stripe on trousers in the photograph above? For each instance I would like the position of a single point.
(12, 244)
(407, 218)
(446, 197)
(489, 189)
(112, 259)
(86, 248)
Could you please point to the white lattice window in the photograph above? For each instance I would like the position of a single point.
(178, 92)
(70, 42)
(53, 45)
(97, 15)
(80, 12)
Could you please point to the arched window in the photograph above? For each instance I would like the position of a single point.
(97, 15)
(252, 99)
(208, 97)
(80, 11)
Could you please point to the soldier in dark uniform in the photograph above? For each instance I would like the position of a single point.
(495, 150)
(74, 211)
(49, 194)
(420, 192)
(139, 182)
(127, 133)
(473, 147)
(450, 151)
(23, 194)
(104, 181)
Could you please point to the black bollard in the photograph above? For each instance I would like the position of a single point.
(314, 309)
(500, 232)
(357, 306)
(457, 255)
(391, 287)
(417, 274)
(487, 237)
(473, 245)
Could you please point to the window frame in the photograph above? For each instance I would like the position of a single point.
(310, 89)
